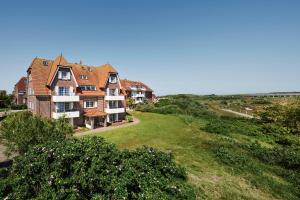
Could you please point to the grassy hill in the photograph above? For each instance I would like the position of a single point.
(219, 166)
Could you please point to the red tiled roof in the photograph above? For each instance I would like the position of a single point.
(59, 60)
(127, 85)
(94, 112)
(42, 75)
(21, 85)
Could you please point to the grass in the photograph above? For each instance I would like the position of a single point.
(194, 149)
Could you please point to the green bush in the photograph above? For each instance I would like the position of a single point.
(287, 157)
(179, 105)
(90, 168)
(20, 131)
(129, 118)
(226, 125)
(19, 107)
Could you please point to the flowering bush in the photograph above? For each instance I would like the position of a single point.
(20, 131)
(91, 168)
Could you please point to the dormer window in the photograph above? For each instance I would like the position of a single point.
(64, 75)
(133, 87)
(83, 77)
(113, 78)
(45, 63)
(88, 87)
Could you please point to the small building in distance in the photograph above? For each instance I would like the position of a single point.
(137, 90)
(19, 92)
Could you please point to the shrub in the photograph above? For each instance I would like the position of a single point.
(179, 105)
(129, 118)
(226, 125)
(287, 157)
(90, 168)
(19, 107)
(20, 131)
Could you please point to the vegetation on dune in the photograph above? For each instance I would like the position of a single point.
(225, 157)
(263, 151)
(180, 105)
(21, 131)
(91, 168)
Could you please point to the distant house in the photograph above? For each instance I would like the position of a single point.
(19, 92)
(87, 95)
(137, 90)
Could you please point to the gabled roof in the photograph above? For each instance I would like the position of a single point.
(42, 75)
(103, 73)
(127, 84)
(21, 85)
(39, 74)
(59, 60)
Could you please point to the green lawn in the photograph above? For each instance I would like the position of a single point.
(192, 149)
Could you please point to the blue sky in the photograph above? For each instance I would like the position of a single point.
(199, 47)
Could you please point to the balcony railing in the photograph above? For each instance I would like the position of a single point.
(114, 110)
(65, 97)
(65, 94)
(67, 114)
(138, 95)
(114, 98)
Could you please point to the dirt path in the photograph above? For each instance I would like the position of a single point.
(238, 113)
(103, 129)
(2, 156)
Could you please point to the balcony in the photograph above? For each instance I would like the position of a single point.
(66, 97)
(67, 114)
(139, 95)
(114, 110)
(114, 98)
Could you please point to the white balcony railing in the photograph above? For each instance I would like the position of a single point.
(68, 114)
(139, 95)
(114, 110)
(114, 98)
(66, 98)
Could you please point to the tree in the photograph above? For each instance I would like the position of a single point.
(130, 102)
(5, 100)
(20, 131)
(90, 168)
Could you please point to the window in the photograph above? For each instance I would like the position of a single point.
(113, 78)
(64, 75)
(90, 104)
(88, 87)
(30, 105)
(113, 118)
(113, 104)
(30, 91)
(113, 92)
(63, 91)
(133, 87)
(63, 107)
(83, 77)
(45, 63)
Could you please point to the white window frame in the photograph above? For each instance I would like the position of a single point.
(113, 78)
(64, 75)
(90, 104)
(88, 87)
(63, 91)
(83, 77)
